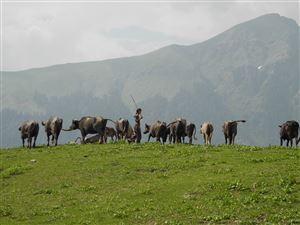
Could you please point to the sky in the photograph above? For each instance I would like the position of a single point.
(43, 33)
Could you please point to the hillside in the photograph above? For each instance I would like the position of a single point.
(250, 71)
(149, 184)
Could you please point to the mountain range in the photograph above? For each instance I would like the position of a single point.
(250, 72)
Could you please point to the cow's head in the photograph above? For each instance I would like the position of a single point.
(74, 125)
(147, 128)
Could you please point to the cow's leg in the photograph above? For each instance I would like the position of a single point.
(191, 140)
(149, 136)
(34, 140)
(52, 139)
(291, 142)
(281, 141)
(55, 138)
(83, 135)
(48, 139)
(225, 139)
(230, 139)
(23, 141)
(233, 137)
(158, 139)
(101, 139)
(29, 140)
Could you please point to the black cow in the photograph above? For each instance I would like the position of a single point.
(230, 130)
(190, 130)
(288, 131)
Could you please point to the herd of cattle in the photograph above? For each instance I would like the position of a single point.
(175, 131)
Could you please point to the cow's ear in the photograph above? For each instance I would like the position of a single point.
(280, 126)
(19, 128)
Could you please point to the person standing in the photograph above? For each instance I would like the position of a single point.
(137, 127)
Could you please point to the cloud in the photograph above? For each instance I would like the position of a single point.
(42, 34)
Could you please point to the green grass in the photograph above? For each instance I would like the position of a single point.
(150, 184)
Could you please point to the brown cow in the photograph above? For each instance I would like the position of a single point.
(157, 130)
(53, 127)
(110, 132)
(29, 130)
(122, 126)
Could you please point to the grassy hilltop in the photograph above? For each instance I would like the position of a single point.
(150, 184)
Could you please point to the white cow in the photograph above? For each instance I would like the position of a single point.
(206, 130)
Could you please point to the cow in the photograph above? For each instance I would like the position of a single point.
(90, 125)
(230, 130)
(88, 139)
(53, 127)
(157, 130)
(29, 129)
(110, 132)
(288, 131)
(122, 126)
(179, 129)
(131, 135)
(190, 130)
(206, 129)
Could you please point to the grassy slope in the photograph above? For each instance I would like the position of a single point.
(149, 184)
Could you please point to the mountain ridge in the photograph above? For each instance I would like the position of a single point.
(232, 75)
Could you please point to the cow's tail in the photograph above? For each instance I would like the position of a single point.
(297, 141)
(77, 139)
(67, 129)
(195, 133)
(111, 121)
(171, 123)
(242, 121)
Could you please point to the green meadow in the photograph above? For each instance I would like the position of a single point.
(150, 184)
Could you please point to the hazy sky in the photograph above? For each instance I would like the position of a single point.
(43, 33)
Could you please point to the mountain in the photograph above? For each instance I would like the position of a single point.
(250, 72)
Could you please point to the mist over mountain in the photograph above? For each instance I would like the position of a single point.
(250, 72)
